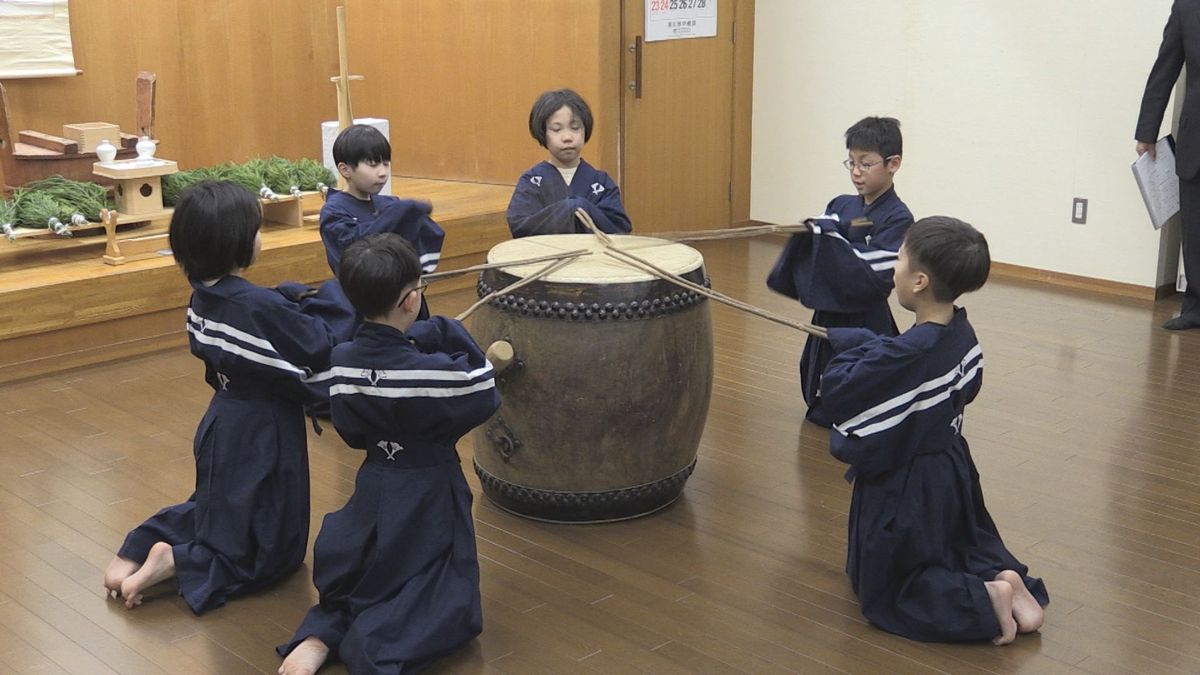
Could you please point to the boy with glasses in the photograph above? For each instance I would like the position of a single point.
(842, 268)
(396, 567)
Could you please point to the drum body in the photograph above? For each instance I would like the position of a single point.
(601, 415)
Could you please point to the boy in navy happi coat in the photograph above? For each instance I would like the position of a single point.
(266, 355)
(364, 159)
(923, 553)
(396, 567)
(547, 196)
(842, 268)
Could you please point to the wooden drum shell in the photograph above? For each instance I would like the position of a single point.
(601, 416)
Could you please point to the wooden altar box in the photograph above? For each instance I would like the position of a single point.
(139, 183)
(89, 134)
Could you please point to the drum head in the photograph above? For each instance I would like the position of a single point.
(596, 267)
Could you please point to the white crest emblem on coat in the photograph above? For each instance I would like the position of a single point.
(371, 376)
(536, 180)
(597, 188)
(391, 448)
(223, 379)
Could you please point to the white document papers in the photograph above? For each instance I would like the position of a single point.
(1158, 183)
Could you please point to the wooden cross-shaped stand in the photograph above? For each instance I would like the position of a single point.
(342, 80)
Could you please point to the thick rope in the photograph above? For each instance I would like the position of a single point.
(732, 233)
(435, 276)
(635, 261)
(552, 267)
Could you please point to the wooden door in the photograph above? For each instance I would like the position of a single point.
(677, 136)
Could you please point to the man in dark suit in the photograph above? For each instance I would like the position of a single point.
(1180, 45)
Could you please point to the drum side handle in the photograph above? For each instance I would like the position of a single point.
(504, 441)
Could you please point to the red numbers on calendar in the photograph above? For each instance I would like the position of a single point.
(669, 5)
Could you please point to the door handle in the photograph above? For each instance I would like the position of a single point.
(635, 85)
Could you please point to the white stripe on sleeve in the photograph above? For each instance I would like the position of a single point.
(410, 392)
(911, 394)
(924, 404)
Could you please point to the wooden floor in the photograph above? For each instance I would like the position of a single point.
(1086, 435)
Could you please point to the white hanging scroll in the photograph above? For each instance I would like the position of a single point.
(678, 19)
(35, 39)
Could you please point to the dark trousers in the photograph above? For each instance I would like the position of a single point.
(1189, 216)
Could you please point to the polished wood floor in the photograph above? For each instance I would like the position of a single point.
(1086, 434)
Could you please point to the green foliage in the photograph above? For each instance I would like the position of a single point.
(174, 184)
(35, 208)
(247, 175)
(311, 174)
(8, 211)
(72, 196)
(279, 174)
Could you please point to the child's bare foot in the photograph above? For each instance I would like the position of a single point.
(306, 658)
(159, 566)
(1026, 610)
(1001, 595)
(118, 571)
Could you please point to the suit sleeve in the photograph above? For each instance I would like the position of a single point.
(527, 215)
(441, 335)
(305, 339)
(462, 395)
(330, 305)
(606, 209)
(346, 419)
(1162, 79)
(472, 400)
(856, 381)
(411, 220)
(407, 218)
(826, 271)
(845, 339)
(337, 232)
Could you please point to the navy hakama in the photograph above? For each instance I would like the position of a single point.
(245, 526)
(843, 271)
(921, 543)
(543, 203)
(397, 567)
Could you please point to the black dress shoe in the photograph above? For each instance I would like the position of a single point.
(1182, 322)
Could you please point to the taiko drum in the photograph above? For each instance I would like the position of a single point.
(602, 411)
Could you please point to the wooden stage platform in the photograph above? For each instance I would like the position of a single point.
(62, 307)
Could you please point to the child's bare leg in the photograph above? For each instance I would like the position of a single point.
(159, 566)
(116, 574)
(1001, 595)
(1026, 610)
(306, 658)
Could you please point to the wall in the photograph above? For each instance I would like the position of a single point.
(235, 78)
(1008, 109)
(457, 79)
(238, 78)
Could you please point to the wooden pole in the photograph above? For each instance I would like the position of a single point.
(345, 115)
